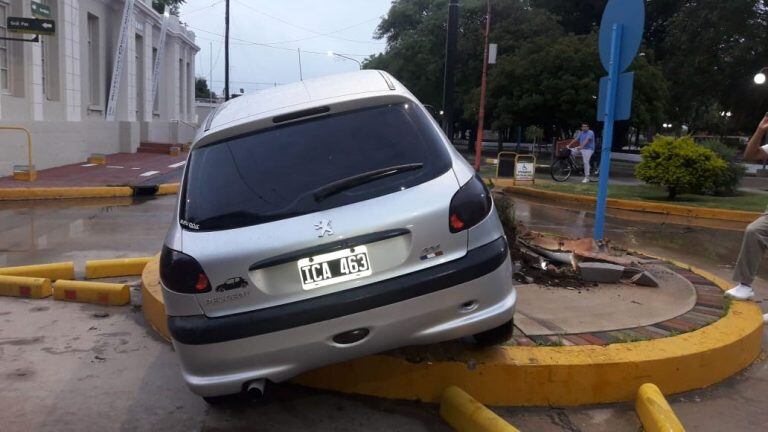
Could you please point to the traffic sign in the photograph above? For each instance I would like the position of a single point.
(631, 15)
(40, 10)
(621, 33)
(31, 25)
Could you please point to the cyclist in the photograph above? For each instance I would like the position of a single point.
(584, 144)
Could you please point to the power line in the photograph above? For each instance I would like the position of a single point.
(247, 42)
(317, 33)
(203, 8)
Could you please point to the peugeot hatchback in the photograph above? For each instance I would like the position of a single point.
(325, 220)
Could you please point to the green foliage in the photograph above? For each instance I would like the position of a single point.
(680, 166)
(727, 183)
(201, 89)
(534, 133)
(159, 5)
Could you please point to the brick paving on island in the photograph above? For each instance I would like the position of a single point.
(710, 306)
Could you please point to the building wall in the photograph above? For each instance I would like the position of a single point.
(58, 87)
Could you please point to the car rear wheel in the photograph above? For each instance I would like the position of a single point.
(497, 335)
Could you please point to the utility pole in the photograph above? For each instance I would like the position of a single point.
(450, 66)
(301, 74)
(483, 86)
(210, 74)
(226, 52)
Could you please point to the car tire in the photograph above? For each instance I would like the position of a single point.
(497, 335)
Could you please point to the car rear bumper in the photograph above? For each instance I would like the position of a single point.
(416, 313)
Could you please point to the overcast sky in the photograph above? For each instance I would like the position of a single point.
(316, 27)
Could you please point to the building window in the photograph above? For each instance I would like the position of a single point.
(94, 71)
(181, 88)
(155, 96)
(4, 78)
(49, 50)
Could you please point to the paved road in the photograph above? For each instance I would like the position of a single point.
(64, 368)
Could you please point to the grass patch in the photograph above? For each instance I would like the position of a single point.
(743, 201)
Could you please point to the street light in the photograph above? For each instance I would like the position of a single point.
(760, 77)
(333, 54)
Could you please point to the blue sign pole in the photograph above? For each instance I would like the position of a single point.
(610, 116)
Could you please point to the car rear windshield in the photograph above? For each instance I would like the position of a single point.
(277, 173)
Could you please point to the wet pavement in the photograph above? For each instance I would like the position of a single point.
(64, 368)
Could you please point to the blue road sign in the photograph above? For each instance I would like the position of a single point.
(631, 15)
(623, 105)
(621, 33)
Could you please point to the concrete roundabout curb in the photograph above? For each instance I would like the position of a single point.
(537, 376)
(638, 206)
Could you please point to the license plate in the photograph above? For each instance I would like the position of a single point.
(335, 267)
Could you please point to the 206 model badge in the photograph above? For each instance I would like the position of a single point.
(324, 227)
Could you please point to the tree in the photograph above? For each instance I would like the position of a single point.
(159, 5)
(680, 166)
(201, 89)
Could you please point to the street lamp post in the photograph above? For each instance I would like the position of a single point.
(335, 54)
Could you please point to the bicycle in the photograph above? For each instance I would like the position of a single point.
(566, 165)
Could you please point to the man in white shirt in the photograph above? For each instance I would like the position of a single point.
(755, 241)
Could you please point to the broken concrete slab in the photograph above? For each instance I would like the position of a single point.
(601, 272)
(631, 272)
(645, 279)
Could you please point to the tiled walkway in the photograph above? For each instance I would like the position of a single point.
(121, 169)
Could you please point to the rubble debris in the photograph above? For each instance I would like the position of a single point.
(645, 279)
(601, 272)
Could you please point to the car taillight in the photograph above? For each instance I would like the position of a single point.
(469, 206)
(182, 273)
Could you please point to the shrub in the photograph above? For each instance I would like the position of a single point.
(679, 165)
(727, 183)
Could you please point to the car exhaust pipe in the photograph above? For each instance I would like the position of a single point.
(255, 389)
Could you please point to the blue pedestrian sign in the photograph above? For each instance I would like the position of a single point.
(621, 32)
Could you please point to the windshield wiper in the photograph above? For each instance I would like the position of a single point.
(351, 182)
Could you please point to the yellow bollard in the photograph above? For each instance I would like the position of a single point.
(654, 412)
(92, 292)
(465, 414)
(63, 270)
(29, 287)
(96, 269)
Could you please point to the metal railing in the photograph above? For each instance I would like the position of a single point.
(30, 167)
(178, 128)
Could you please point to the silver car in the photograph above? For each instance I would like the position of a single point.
(326, 220)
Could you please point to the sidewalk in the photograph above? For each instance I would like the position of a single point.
(121, 169)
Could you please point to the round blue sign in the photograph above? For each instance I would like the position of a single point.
(631, 15)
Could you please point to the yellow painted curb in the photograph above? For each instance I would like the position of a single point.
(654, 412)
(168, 189)
(18, 286)
(16, 194)
(97, 269)
(640, 206)
(92, 292)
(537, 376)
(55, 271)
(152, 299)
(465, 414)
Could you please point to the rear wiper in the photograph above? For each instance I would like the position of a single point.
(351, 182)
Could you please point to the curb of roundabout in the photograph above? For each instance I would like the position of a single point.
(539, 376)
(22, 194)
(638, 206)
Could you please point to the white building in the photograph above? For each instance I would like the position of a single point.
(58, 87)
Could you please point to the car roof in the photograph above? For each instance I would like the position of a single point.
(300, 95)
